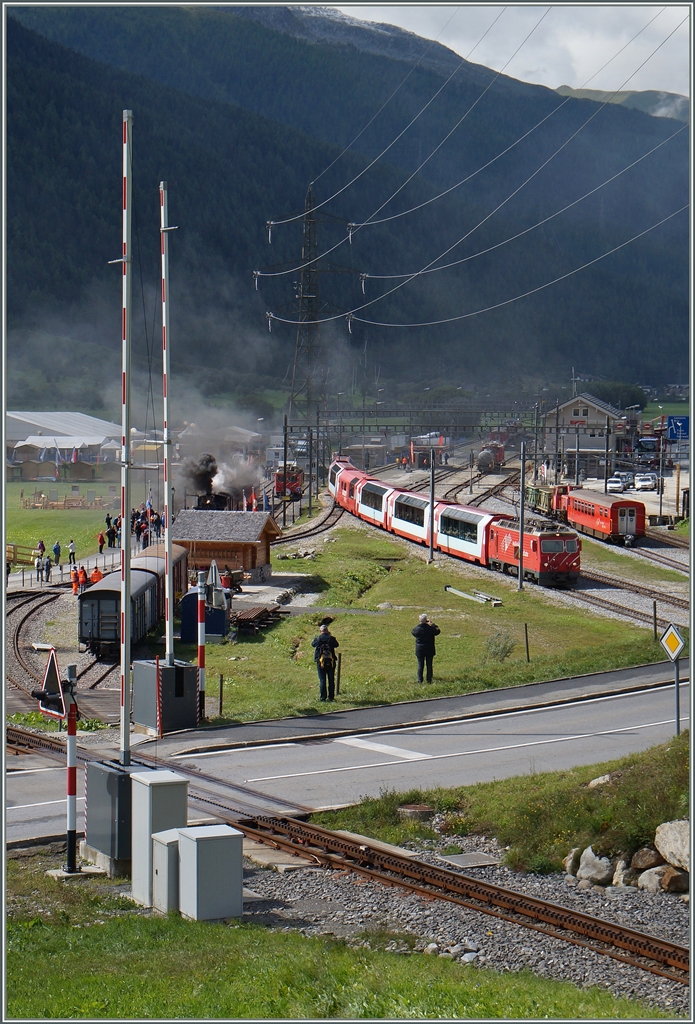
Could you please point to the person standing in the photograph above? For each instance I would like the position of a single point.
(424, 634)
(82, 579)
(74, 581)
(71, 552)
(41, 547)
(38, 565)
(101, 540)
(47, 568)
(324, 655)
(108, 520)
(56, 553)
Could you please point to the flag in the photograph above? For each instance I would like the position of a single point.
(441, 440)
(73, 457)
(57, 463)
(148, 503)
(243, 494)
(254, 504)
(42, 455)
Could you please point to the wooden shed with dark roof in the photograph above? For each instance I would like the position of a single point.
(240, 540)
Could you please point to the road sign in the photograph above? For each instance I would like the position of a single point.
(672, 642)
(50, 696)
(678, 428)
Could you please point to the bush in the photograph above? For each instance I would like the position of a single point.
(499, 646)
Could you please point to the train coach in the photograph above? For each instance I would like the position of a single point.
(551, 551)
(611, 517)
(100, 604)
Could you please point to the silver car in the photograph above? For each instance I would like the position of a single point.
(615, 485)
(646, 482)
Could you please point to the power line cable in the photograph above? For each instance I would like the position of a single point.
(419, 273)
(299, 216)
(538, 224)
(404, 213)
(386, 102)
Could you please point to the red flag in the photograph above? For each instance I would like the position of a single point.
(441, 440)
(254, 504)
(74, 455)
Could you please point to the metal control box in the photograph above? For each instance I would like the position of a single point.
(178, 699)
(165, 870)
(160, 802)
(108, 808)
(211, 872)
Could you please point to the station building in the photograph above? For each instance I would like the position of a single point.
(239, 540)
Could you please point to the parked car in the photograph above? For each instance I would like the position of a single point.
(627, 478)
(615, 485)
(646, 482)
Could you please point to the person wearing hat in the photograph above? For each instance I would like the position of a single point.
(424, 634)
(324, 655)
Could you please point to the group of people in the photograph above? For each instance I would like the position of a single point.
(43, 563)
(325, 645)
(80, 579)
(111, 536)
(146, 525)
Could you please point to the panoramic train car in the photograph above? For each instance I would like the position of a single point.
(606, 516)
(551, 551)
(490, 539)
(100, 608)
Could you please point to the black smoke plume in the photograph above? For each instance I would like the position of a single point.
(200, 471)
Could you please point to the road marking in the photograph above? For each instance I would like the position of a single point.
(235, 750)
(467, 753)
(45, 803)
(382, 748)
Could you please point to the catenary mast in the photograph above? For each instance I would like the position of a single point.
(125, 438)
(168, 564)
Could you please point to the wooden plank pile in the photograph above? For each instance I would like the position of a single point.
(252, 620)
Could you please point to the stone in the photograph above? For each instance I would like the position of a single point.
(431, 949)
(584, 884)
(417, 812)
(650, 880)
(571, 880)
(672, 840)
(468, 958)
(600, 781)
(446, 956)
(598, 870)
(675, 880)
(471, 947)
(645, 858)
(458, 949)
(619, 874)
(571, 861)
(599, 889)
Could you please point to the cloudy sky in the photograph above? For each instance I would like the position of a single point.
(570, 45)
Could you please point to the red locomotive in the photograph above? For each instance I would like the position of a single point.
(293, 485)
(551, 551)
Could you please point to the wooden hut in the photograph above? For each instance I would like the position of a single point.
(240, 540)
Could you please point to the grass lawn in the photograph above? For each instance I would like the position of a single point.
(26, 526)
(273, 674)
(667, 409)
(541, 817)
(605, 558)
(78, 950)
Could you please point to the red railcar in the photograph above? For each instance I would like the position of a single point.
(294, 484)
(610, 517)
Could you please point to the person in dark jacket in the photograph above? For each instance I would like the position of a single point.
(324, 655)
(424, 634)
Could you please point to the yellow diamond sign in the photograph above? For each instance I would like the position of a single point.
(672, 642)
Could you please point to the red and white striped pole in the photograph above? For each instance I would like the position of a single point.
(201, 644)
(168, 572)
(69, 693)
(158, 687)
(125, 440)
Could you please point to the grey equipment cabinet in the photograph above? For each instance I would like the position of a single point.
(211, 872)
(159, 801)
(165, 870)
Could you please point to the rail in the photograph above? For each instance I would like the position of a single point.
(325, 522)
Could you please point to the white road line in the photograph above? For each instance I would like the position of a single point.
(467, 753)
(382, 748)
(45, 803)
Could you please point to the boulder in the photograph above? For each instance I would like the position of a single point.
(650, 880)
(602, 780)
(675, 880)
(571, 861)
(598, 870)
(672, 840)
(645, 858)
(619, 873)
(431, 949)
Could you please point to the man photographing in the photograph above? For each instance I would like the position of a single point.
(424, 634)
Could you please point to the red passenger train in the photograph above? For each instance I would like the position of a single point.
(551, 551)
(611, 517)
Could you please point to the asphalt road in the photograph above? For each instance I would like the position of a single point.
(35, 800)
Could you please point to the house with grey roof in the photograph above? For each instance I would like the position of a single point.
(585, 427)
(237, 540)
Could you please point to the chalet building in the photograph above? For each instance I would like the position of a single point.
(240, 540)
(587, 426)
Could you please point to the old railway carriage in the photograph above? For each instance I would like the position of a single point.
(551, 551)
(607, 516)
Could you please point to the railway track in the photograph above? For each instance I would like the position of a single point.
(328, 520)
(497, 488)
(636, 588)
(668, 563)
(628, 613)
(670, 538)
(338, 852)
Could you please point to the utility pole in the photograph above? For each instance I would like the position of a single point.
(311, 462)
(576, 456)
(557, 437)
(661, 474)
(363, 429)
(605, 465)
(535, 445)
(431, 558)
(168, 490)
(318, 449)
(284, 477)
(522, 484)
(307, 371)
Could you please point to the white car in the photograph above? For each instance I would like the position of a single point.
(615, 485)
(646, 482)
(627, 478)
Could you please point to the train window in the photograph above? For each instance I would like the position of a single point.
(373, 497)
(352, 486)
(459, 529)
(571, 545)
(534, 545)
(409, 513)
(334, 474)
(549, 546)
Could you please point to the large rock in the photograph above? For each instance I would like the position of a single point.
(598, 870)
(623, 874)
(672, 840)
(571, 861)
(651, 880)
(646, 858)
(675, 880)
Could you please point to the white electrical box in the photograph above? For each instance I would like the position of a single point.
(159, 802)
(165, 870)
(211, 872)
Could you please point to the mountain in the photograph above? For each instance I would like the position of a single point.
(650, 101)
(238, 118)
